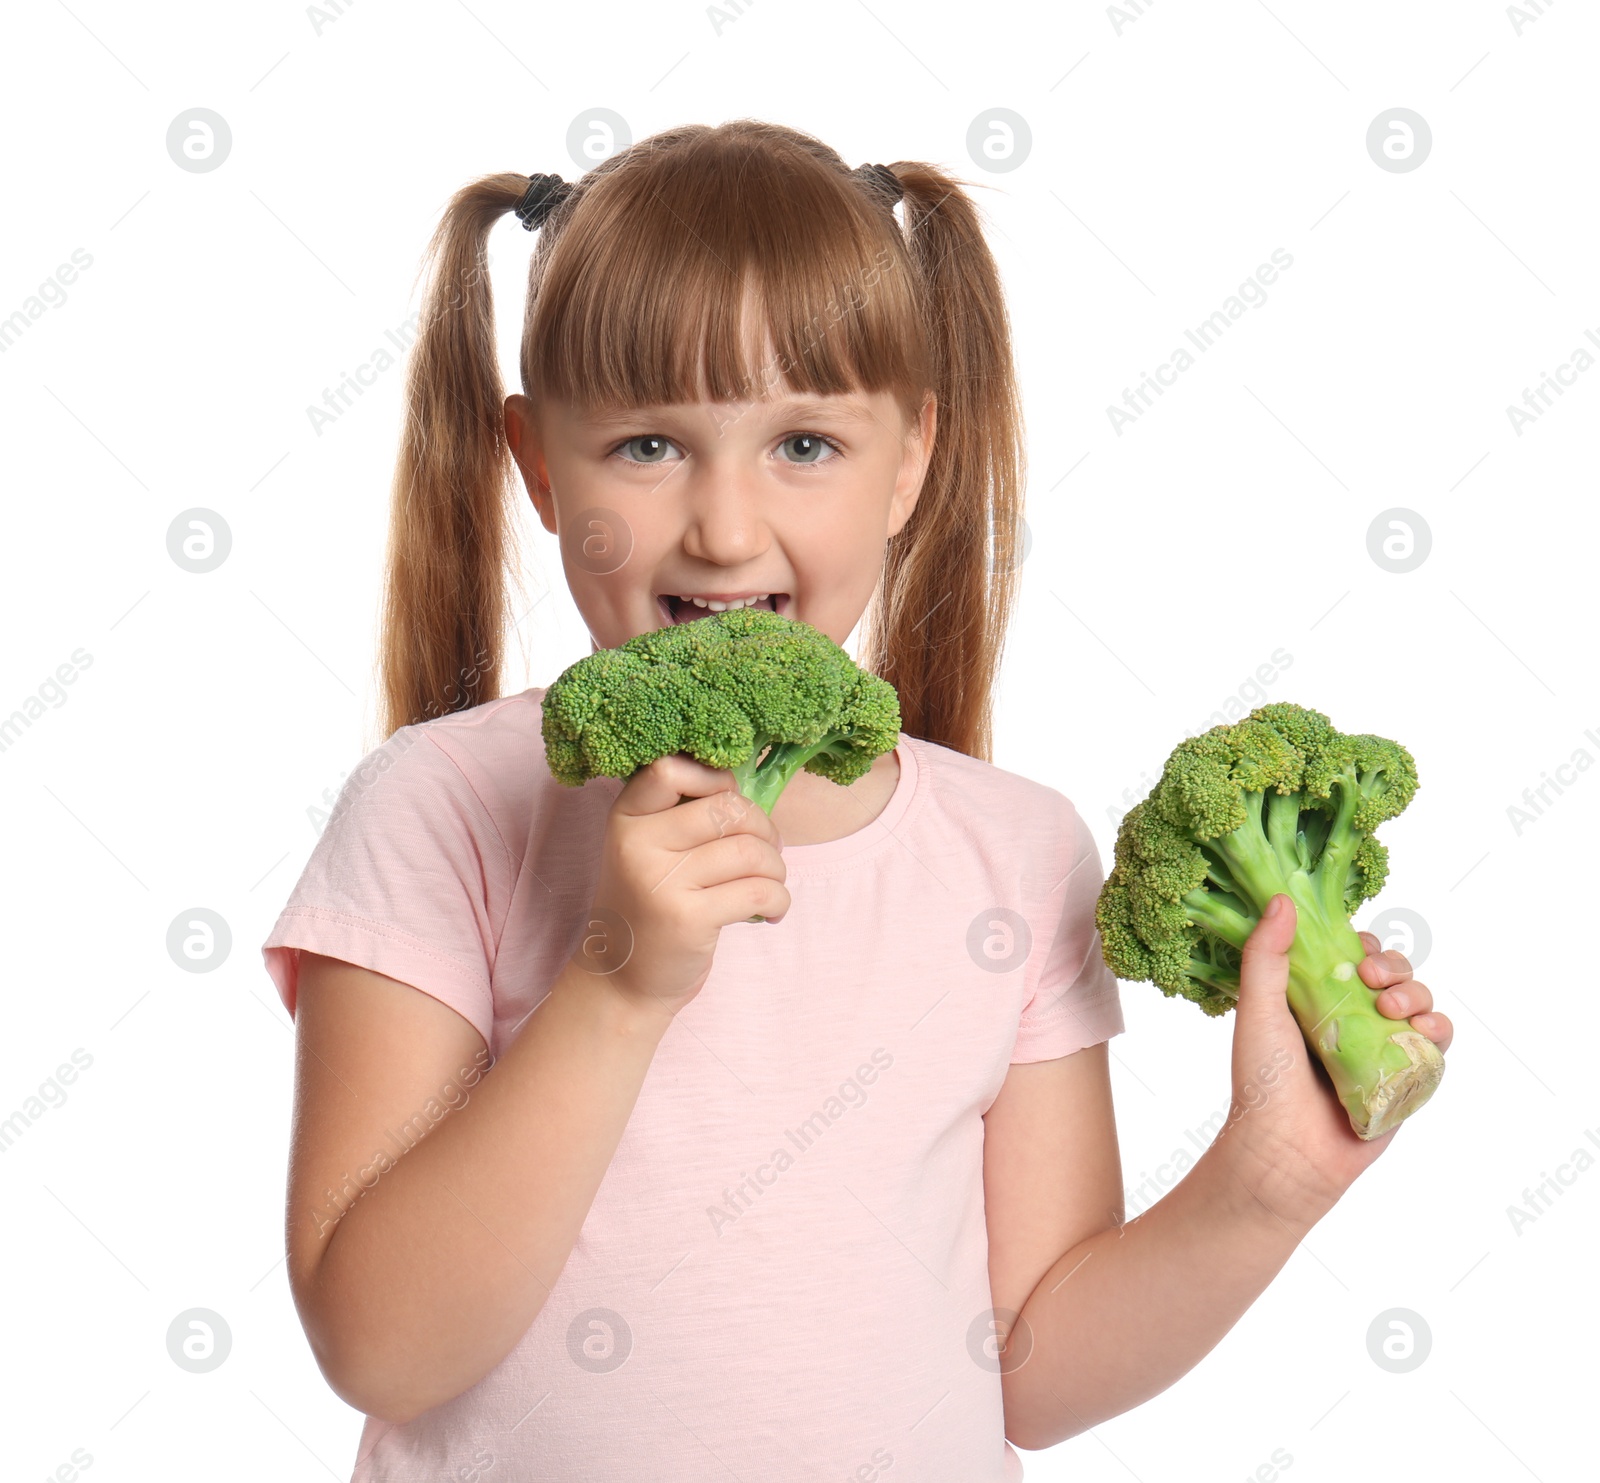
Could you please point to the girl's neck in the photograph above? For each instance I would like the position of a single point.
(811, 810)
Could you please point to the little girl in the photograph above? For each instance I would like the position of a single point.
(595, 1179)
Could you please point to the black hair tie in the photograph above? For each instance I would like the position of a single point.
(544, 194)
(881, 178)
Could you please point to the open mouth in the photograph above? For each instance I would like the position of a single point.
(675, 610)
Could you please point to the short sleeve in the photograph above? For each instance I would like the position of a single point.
(1077, 1002)
(410, 878)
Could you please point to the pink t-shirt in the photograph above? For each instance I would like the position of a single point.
(784, 1274)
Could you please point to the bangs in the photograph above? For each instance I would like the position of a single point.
(715, 273)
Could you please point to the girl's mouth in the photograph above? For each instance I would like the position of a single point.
(675, 610)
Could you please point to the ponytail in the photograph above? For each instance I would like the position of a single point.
(936, 629)
(445, 596)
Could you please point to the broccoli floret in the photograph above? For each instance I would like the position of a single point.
(1277, 802)
(746, 689)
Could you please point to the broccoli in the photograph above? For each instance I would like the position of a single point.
(746, 689)
(1278, 802)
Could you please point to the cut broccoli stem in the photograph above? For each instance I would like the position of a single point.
(1381, 1069)
(768, 770)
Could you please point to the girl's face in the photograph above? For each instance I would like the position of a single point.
(790, 496)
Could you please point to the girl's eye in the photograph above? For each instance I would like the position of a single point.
(813, 444)
(650, 443)
(810, 448)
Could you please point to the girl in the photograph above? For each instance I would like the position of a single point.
(582, 1188)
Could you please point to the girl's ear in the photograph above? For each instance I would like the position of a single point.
(914, 464)
(928, 424)
(523, 440)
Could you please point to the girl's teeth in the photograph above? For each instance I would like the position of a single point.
(720, 607)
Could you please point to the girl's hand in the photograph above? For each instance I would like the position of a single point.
(685, 854)
(1291, 1141)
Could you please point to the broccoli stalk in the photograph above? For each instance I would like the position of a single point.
(1279, 802)
(772, 763)
(746, 689)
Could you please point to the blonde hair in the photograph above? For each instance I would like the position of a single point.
(635, 296)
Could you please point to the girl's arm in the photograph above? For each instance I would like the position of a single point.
(414, 1280)
(1124, 1312)
(421, 1281)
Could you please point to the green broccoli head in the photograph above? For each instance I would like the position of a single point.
(1279, 802)
(750, 690)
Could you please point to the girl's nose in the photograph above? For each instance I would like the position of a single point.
(724, 522)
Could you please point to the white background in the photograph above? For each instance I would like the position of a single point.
(1171, 153)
